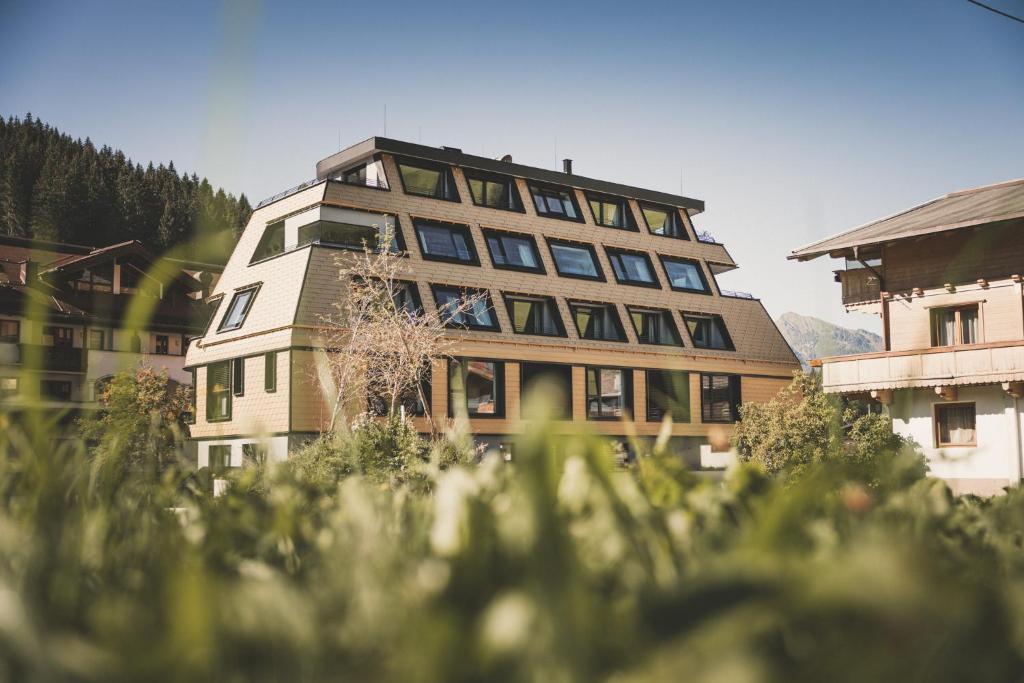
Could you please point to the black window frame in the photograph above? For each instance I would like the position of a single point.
(221, 465)
(166, 339)
(548, 189)
(452, 191)
(553, 242)
(616, 319)
(238, 376)
(665, 260)
(500, 388)
(272, 230)
(461, 228)
(624, 204)
(377, 405)
(614, 253)
(537, 371)
(496, 327)
(342, 175)
(497, 179)
(735, 397)
(210, 417)
(666, 319)
(657, 413)
(270, 372)
(512, 297)
(413, 290)
(490, 233)
(671, 211)
(716, 319)
(627, 392)
(255, 289)
(305, 238)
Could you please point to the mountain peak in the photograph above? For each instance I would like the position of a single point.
(812, 337)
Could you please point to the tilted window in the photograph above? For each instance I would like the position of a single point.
(218, 391)
(654, 326)
(513, 251)
(708, 331)
(597, 321)
(479, 317)
(720, 398)
(238, 309)
(555, 202)
(548, 378)
(608, 392)
(632, 267)
(575, 260)
(446, 242)
(665, 221)
(271, 243)
(478, 386)
(493, 191)
(424, 179)
(534, 315)
(668, 393)
(685, 275)
(954, 326)
(366, 174)
(611, 212)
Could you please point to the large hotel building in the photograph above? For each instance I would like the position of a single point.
(606, 289)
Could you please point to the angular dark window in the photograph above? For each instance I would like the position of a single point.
(663, 220)
(446, 242)
(212, 306)
(407, 298)
(270, 372)
(534, 315)
(425, 179)
(655, 326)
(597, 321)
(478, 386)
(218, 391)
(573, 259)
(238, 376)
(367, 174)
(685, 275)
(608, 393)
(271, 244)
(555, 202)
(548, 377)
(720, 398)
(239, 307)
(479, 317)
(513, 251)
(351, 235)
(493, 191)
(707, 331)
(632, 267)
(611, 212)
(668, 393)
(161, 345)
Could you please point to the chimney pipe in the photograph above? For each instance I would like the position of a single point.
(567, 166)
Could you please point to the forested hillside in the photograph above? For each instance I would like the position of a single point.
(53, 187)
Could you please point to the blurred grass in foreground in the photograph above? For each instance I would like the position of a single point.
(551, 568)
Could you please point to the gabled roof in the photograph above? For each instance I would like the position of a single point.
(77, 262)
(955, 211)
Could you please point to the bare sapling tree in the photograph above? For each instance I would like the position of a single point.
(378, 342)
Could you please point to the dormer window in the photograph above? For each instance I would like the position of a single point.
(632, 267)
(655, 326)
(480, 316)
(272, 242)
(446, 242)
(513, 251)
(424, 179)
(685, 275)
(707, 331)
(611, 212)
(238, 309)
(574, 259)
(493, 191)
(664, 220)
(555, 202)
(597, 321)
(366, 174)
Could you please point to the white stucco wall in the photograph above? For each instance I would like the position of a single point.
(993, 460)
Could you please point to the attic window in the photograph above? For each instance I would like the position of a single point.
(238, 309)
(272, 242)
(367, 174)
(424, 179)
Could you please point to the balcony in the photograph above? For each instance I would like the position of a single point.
(860, 286)
(50, 358)
(990, 363)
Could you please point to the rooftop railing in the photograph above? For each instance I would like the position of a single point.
(289, 191)
(706, 237)
(737, 294)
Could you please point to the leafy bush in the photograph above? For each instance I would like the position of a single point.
(803, 425)
(557, 566)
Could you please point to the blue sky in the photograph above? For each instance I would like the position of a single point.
(793, 121)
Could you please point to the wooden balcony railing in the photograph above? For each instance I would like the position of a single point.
(860, 286)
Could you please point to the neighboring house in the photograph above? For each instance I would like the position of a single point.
(63, 314)
(945, 277)
(603, 288)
